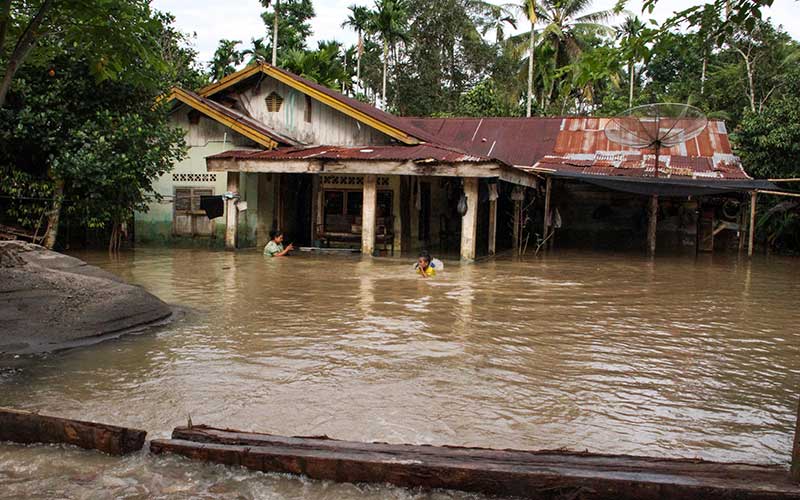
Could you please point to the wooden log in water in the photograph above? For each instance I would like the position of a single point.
(26, 427)
(530, 474)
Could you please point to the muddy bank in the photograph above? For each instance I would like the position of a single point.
(50, 301)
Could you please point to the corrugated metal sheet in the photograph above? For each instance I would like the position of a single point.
(417, 153)
(515, 141)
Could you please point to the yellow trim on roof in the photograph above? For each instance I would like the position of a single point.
(336, 104)
(229, 122)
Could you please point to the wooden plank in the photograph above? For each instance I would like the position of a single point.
(469, 222)
(492, 227)
(26, 427)
(547, 215)
(485, 170)
(530, 474)
(652, 225)
(796, 449)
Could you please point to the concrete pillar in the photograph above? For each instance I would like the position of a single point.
(652, 226)
(469, 222)
(231, 215)
(547, 218)
(492, 227)
(368, 210)
(752, 236)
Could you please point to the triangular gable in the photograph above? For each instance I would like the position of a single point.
(371, 116)
(231, 118)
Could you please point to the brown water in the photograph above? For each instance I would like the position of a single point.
(681, 357)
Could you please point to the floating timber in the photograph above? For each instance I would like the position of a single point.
(28, 427)
(529, 474)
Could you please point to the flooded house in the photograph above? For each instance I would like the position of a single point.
(281, 152)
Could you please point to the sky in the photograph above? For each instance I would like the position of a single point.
(213, 20)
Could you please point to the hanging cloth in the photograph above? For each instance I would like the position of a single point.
(493, 192)
(214, 206)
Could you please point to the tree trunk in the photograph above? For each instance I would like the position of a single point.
(530, 70)
(385, 69)
(630, 93)
(54, 215)
(358, 59)
(22, 48)
(703, 75)
(275, 34)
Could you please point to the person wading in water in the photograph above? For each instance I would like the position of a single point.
(425, 267)
(275, 246)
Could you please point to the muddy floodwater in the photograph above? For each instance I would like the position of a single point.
(683, 357)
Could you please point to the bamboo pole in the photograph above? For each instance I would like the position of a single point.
(796, 449)
(790, 179)
(752, 229)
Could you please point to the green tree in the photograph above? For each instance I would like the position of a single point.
(323, 65)
(484, 99)
(226, 58)
(389, 21)
(95, 145)
(633, 38)
(288, 21)
(109, 34)
(358, 19)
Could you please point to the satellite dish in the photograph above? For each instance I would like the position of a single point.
(653, 126)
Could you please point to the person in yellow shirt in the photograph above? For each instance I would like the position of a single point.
(425, 267)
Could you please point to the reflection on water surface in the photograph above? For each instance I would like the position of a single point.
(681, 357)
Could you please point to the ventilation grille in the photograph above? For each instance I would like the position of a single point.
(194, 177)
(274, 101)
(350, 180)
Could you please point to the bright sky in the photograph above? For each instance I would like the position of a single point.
(213, 20)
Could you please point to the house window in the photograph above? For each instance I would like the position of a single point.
(274, 101)
(308, 109)
(188, 218)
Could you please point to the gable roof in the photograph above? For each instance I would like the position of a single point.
(367, 114)
(248, 127)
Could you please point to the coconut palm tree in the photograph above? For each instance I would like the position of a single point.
(566, 23)
(493, 17)
(358, 19)
(529, 7)
(388, 21)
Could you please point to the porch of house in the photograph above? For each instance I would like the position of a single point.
(377, 209)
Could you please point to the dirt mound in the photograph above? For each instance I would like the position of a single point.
(49, 301)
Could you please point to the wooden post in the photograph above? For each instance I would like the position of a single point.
(796, 449)
(316, 206)
(516, 216)
(231, 215)
(652, 226)
(368, 210)
(547, 218)
(752, 229)
(492, 227)
(469, 222)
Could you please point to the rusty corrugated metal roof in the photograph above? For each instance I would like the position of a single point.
(416, 153)
(515, 141)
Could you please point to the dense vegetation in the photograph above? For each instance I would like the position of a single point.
(79, 99)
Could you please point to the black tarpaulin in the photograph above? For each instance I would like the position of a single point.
(214, 206)
(664, 186)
